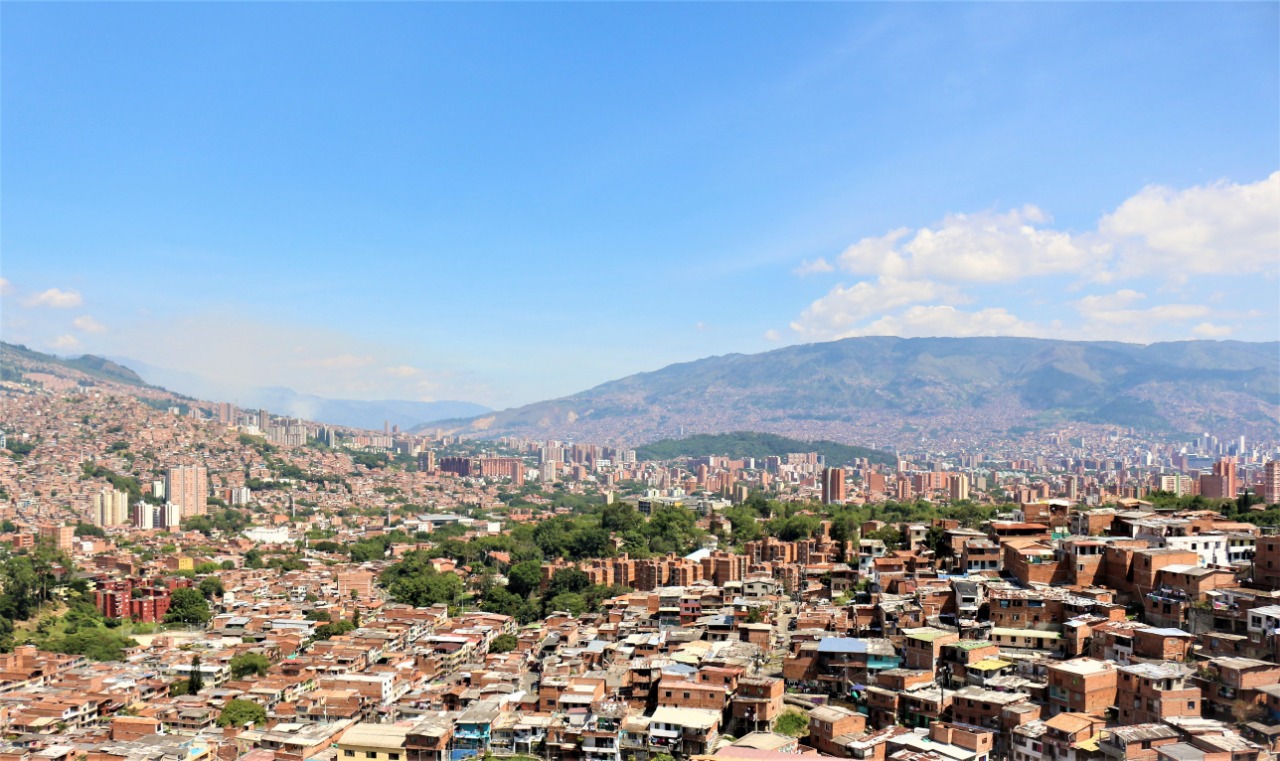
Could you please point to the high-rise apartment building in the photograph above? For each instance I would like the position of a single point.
(1226, 468)
(1176, 484)
(187, 486)
(1223, 483)
(1271, 482)
(110, 508)
(833, 486)
(61, 536)
(170, 516)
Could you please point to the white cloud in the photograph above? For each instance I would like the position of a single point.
(1106, 302)
(54, 298)
(772, 335)
(1209, 330)
(401, 371)
(931, 321)
(1222, 228)
(835, 314)
(344, 361)
(987, 247)
(1166, 239)
(224, 355)
(65, 342)
(87, 324)
(6, 288)
(814, 267)
(1139, 317)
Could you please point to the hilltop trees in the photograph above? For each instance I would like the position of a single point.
(237, 713)
(244, 664)
(415, 581)
(188, 606)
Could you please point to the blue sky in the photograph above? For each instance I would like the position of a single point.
(509, 202)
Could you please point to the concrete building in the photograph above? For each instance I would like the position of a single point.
(187, 486)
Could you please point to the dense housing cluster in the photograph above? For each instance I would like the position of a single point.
(185, 580)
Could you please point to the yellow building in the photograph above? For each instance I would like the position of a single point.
(372, 742)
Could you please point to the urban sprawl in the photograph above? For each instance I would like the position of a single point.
(185, 581)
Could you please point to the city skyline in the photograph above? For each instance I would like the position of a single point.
(513, 203)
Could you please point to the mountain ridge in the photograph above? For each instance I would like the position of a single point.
(739, 444)
(878, 389)
(367, 414)
(91, 365)
(353, 413)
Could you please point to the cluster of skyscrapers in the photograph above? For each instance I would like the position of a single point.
(184, 492)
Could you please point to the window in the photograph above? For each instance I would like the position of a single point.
(370, 754)
(349, 753)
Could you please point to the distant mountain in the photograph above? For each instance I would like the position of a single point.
(741, 444)
(880, 390)
(357, 413)
(15, 358)
(284, 401)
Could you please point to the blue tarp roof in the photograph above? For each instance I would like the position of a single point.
(842, 645)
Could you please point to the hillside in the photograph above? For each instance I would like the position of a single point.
(16, 359)
(741, 444)
(354, 413)
(882, 390)
(157, 383)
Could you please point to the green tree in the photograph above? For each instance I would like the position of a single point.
(187, 606)
(195, 682)
(415, 581)
(672, 529)
(334, 629)
(503, 643)
(890, 535)
(745, 526)
(244, 664)
(568, 580)
(591, 543)
(792, 723)
(598, 593)
(94, 643)
(211, 587)
(499, 600)
(525, 578)
(937, 541)
(794, 527)
(571, 602)
(88, 529)
(620, 518)
(238, 713)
